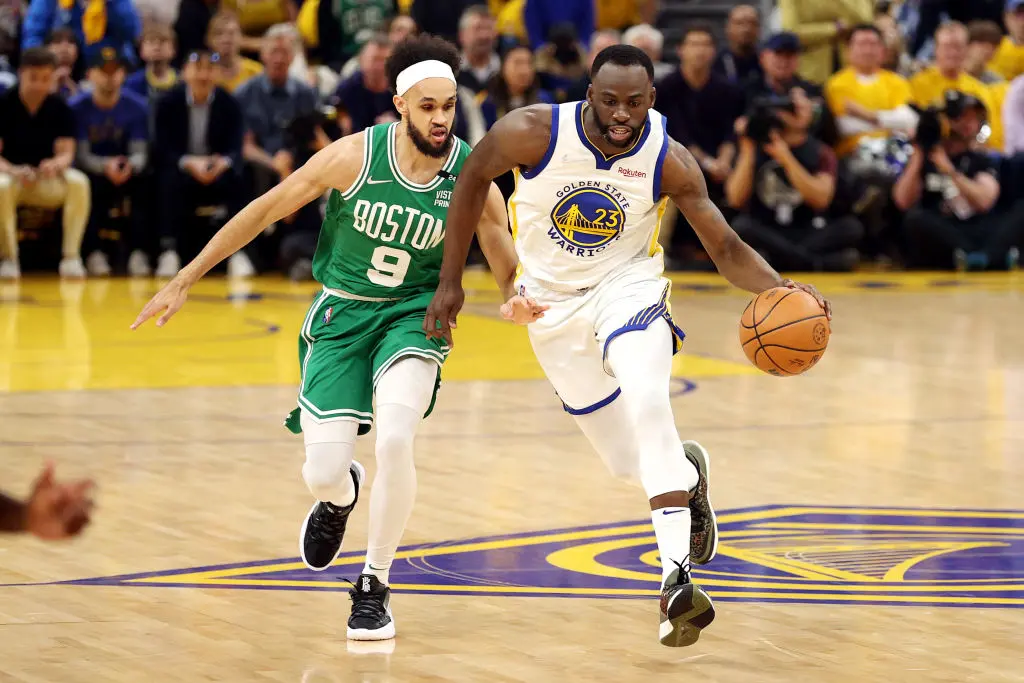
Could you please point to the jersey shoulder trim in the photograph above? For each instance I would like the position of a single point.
(530, 173)
(364, 170)
(605, 163)
(661, 157)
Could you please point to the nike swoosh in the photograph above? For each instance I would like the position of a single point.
(371, 181)
(672, 512)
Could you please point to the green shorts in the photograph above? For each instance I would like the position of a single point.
(346, 346)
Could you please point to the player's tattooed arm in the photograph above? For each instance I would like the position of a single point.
(737, 261)
(334, 166)
(518, 139)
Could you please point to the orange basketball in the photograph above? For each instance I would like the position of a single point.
(784, 331)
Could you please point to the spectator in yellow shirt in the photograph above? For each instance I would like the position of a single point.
(225, 38)
(867, 100)
(1008, 61)
(621, 14)
(983, 39)
(928, 87)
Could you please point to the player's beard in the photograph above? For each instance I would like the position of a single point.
(426, 147)
(604, 128)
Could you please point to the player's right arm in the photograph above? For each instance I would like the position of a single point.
(518, 139)
(331, 167)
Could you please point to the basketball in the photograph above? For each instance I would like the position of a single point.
(784, 331)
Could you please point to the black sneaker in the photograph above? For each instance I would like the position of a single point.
(686, 610)
(371, 614)
(704, 525)
(323, 530)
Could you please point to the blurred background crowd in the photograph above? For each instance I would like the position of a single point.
(834, 134)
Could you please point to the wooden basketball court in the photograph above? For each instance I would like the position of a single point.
(871, 510)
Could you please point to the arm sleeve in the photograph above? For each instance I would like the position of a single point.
(87, 161)
(851, 125)
(902, 118)
(138, 155)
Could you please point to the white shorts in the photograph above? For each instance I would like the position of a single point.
(571, 340)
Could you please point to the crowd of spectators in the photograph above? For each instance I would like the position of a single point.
(832, 134)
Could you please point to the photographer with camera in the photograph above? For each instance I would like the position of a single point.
(949, 189)
(783, 183)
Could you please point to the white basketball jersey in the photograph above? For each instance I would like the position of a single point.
(577, 216)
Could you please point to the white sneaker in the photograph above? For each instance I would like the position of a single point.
(10, 270)
(72, 268)
(138, 264)
(239, 265)
(168, 265)
(97, 264)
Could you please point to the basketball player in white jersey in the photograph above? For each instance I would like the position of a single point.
(592, 182)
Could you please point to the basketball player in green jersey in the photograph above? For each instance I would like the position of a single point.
(378, 258)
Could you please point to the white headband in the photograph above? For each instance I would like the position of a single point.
(419, 71)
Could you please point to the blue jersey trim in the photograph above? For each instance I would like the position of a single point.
(605, 163)
(661, 159)
(592, 408)
(529, 173)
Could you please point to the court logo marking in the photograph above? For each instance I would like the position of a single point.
(802, 554)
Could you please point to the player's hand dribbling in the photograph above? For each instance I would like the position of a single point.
(170, 299)
(444, 309)
(822, 301)
(522, 310)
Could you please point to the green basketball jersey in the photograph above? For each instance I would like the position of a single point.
(358, 20)
(384, 236)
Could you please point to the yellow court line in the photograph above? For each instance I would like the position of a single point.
(846, 512)
(803, 526)
(897, 573)
(876, 596)
(803, 569)
(706, 581)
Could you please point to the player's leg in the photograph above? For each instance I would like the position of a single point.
(334, 478)
(335, 406)
(406, 372)
(404, 393)
(670, 473)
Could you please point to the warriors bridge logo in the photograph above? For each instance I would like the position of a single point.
(809, 554)
(587, 218)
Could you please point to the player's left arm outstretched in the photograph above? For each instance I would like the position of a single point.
(500, 252)
(736, 260)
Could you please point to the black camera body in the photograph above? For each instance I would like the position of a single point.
(929, 128)
(763, 117)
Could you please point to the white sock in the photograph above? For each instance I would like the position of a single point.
(382, 573)
(403, 394)
(672, 529)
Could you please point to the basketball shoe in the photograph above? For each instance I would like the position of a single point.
(371, 612)
(704, 529)
(686, 609)
(323, 530)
